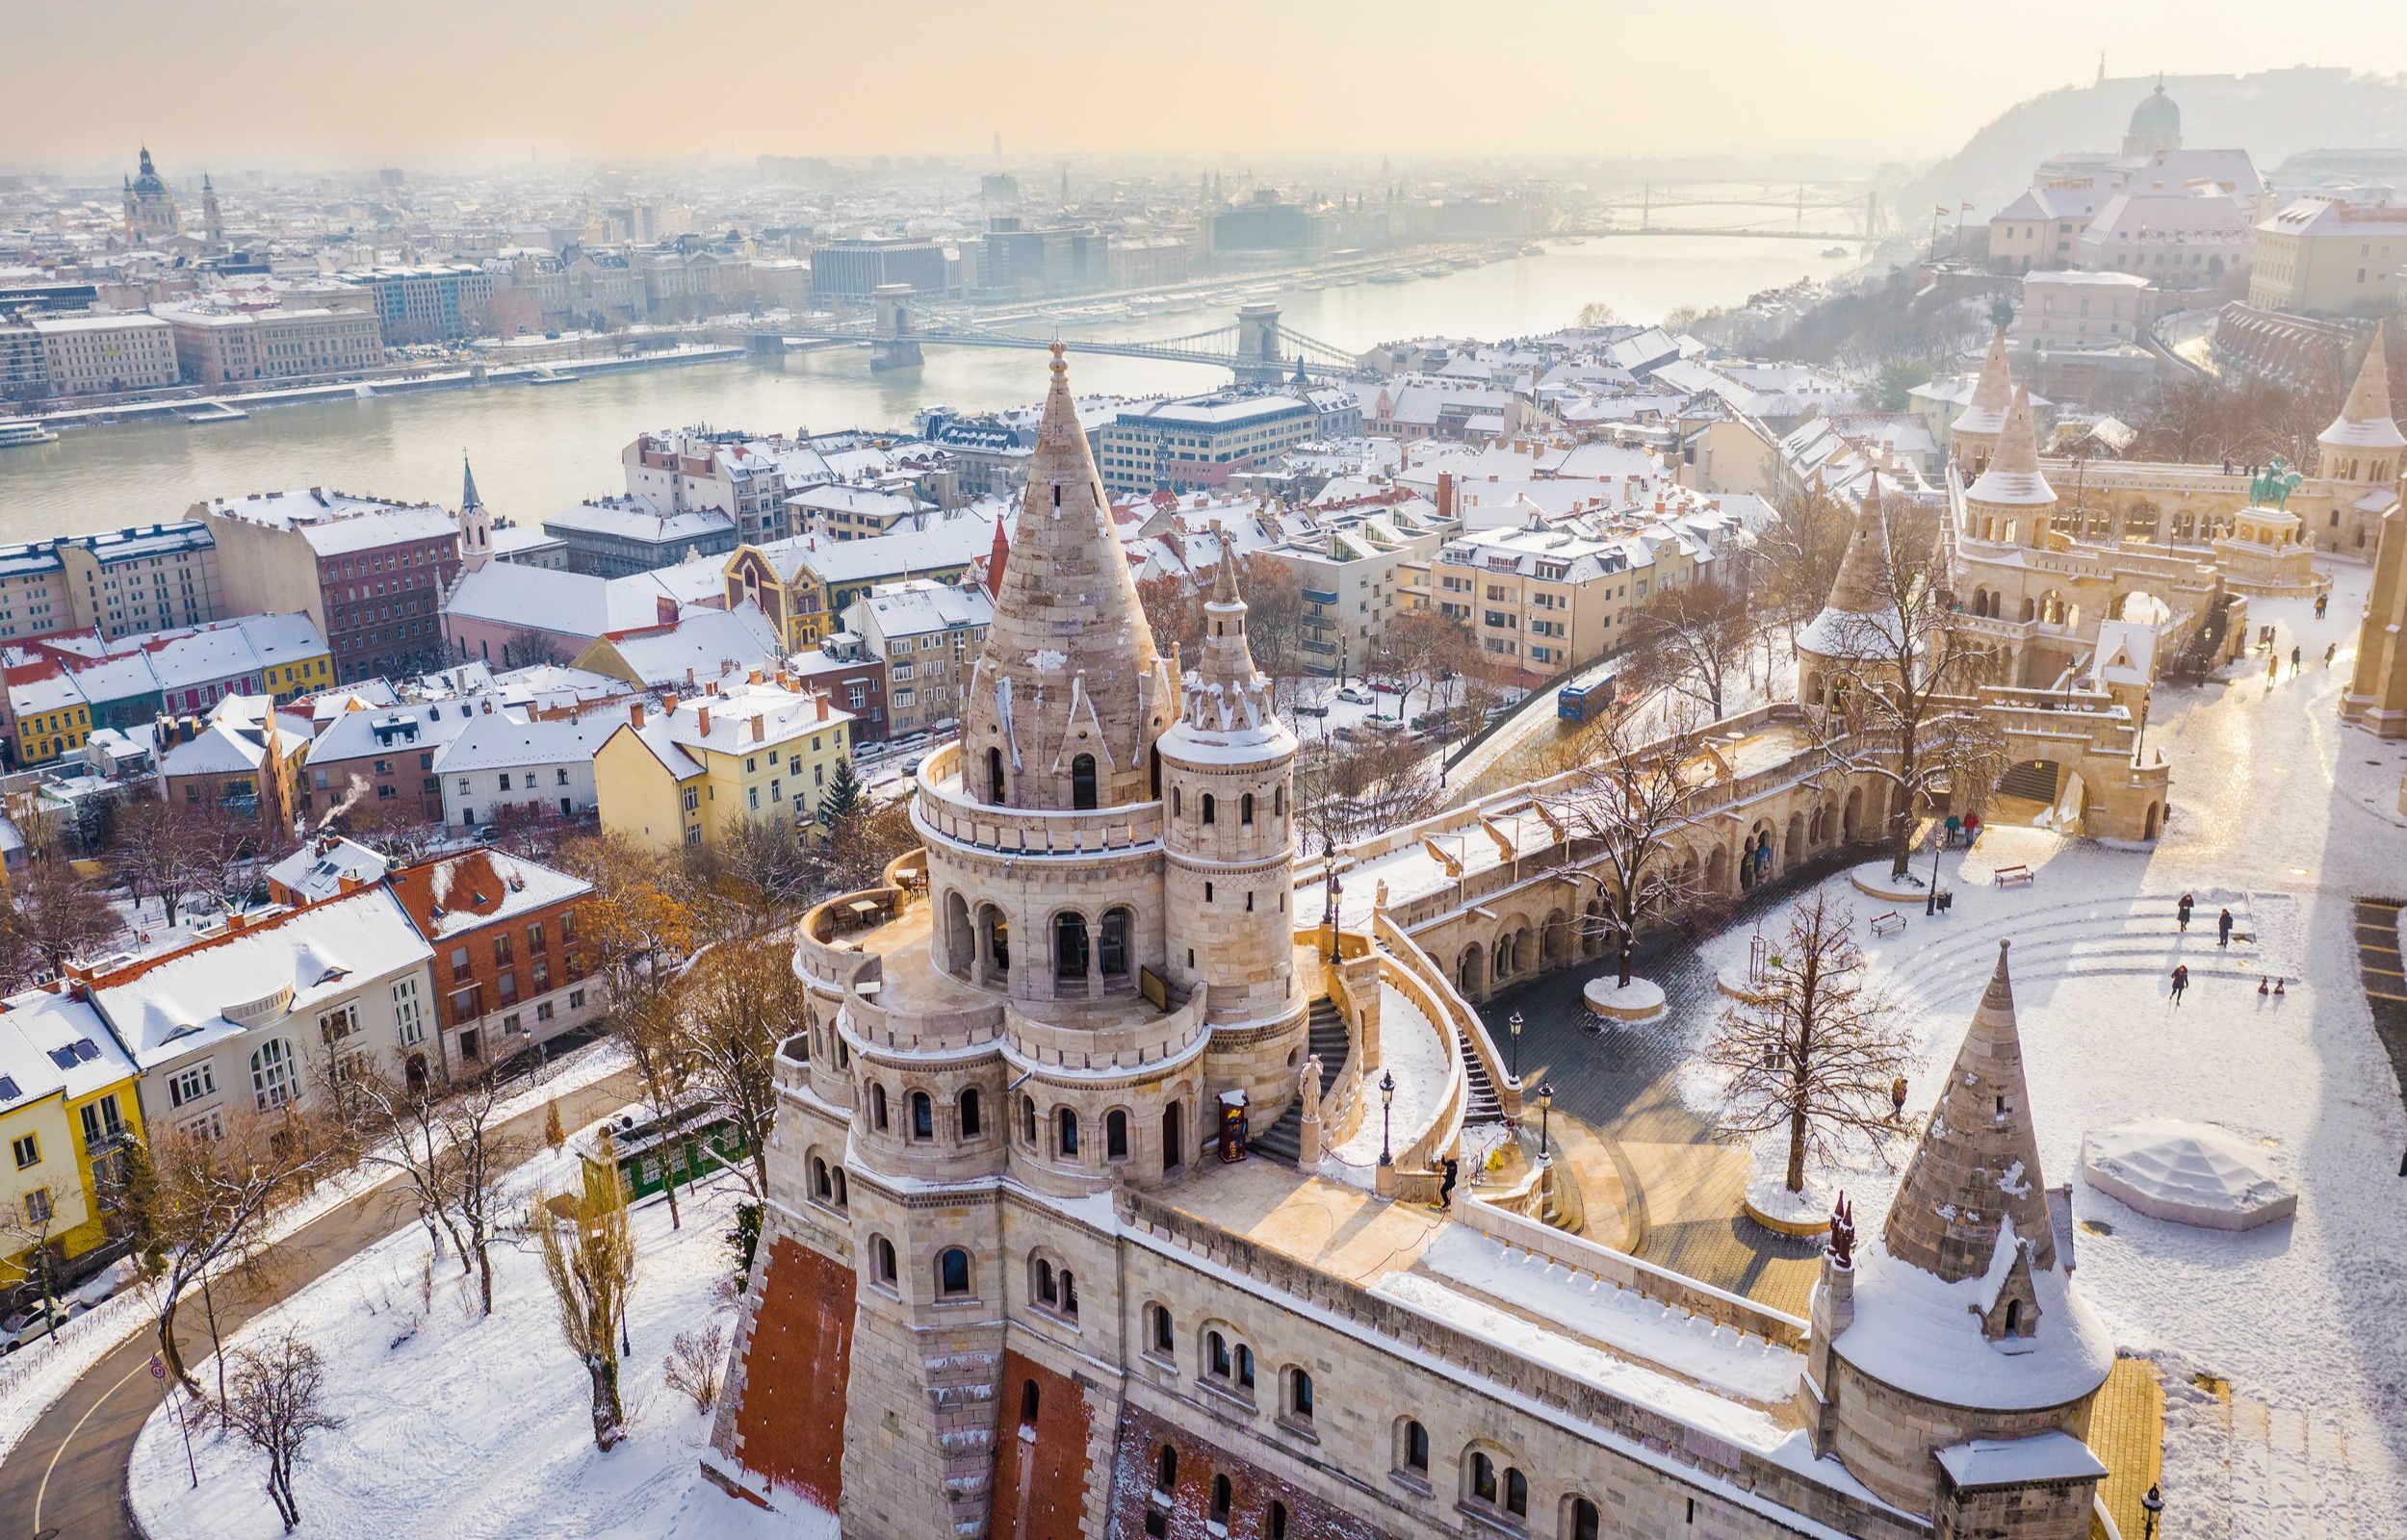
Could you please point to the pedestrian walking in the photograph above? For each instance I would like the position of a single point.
(1897, 1099)
(2277, 989)
(2294, 663)
(1972, 827)
(2180, 981)
(2272, 669)
(2223, 928)
(2186, 902)
(2264, 985)
(2328, 653)
(2321, 599)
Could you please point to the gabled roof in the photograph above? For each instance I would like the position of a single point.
(454, 893)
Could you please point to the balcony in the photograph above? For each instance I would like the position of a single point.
(946, 810)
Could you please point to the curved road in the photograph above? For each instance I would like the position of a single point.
(66, 1477)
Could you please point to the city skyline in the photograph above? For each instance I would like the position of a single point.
(1841, 80)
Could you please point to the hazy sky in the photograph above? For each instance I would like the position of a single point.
(235, 84)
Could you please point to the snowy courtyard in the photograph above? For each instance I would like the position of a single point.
(470, 1429)
(2282, 815)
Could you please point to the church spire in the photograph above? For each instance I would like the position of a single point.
(468, 498)
(1993, 393)
(2364, 421)
(1977, 1167)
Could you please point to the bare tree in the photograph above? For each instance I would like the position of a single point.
(1799, 554)
(589, 1261)
(476, 1156)
(1701, 630)
(739, 1000)
(398, 1126)
(693, 1365)
(54, 914)
(276, 1403)
(1903, 678)
(1819, 1051)
(198, 1200)
(1344, 793)
(154, 853)
(649, 1025)
(1630, 803)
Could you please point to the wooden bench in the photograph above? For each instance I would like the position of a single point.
(2014, 877)
(1889, 924)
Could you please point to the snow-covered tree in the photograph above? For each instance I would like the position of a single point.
(1626, 811)
(277, 1401)
(589, 1261)
(1819, 1050)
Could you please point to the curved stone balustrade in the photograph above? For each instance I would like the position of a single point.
(1089, 1052)
(873, 1029)
(826, 950)
(945, 810)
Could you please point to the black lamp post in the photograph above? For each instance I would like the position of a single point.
(2150, 1508)
(1545, 1106)
(1515, 1022)
(1332, 890)
(1387, 1120)
(1938, 843)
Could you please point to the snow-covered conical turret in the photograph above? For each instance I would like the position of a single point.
(1973, 435)
(2011, 499)
(1854, 623)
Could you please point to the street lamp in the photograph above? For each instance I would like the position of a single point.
(1331, 889)
(1386, 1119)
(1515, 1024)
(1546, 1106)
(2151, 1506)
(1938, 843)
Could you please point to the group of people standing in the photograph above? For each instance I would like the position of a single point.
(2222, 938)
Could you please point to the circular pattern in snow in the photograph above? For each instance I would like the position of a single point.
(1639, 1000)
(2189, 1174)
(1873, 876)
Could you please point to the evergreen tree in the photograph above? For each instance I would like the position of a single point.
(843, 796)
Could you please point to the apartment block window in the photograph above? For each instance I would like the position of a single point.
(37, 1206)
(191, 1085)
(102, 1121)
(27, 1148)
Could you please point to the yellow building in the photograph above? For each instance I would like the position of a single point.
(698, 769)
(2325, 257)
(68, 1112)
(803, 584)
(51, 716)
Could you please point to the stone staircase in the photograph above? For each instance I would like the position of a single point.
(1325, 1034)
(1482, 1105)
(2034, 781)
(2283, 1470)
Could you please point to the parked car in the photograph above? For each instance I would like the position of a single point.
(1355, 695)
(911, 766)
(30, 1326)
(1310, 709)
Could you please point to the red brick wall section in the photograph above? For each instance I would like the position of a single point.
(1188, 1510)
(790, 1428)
(1039, 1472)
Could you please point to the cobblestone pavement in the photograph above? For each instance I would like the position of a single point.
(1681, 1187)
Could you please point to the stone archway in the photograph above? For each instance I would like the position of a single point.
(960, 940)
(2154, 824)
(1795, 844)
(1471, 972)
(1851, 817)
(1555, 940)
(1593, 929)
(1718, 871)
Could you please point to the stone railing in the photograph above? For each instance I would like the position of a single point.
(1426, 985)
(1113, 1050)
(1467, 1357)
(944, 809)
(826, 952)
(1486, 1214)
(872, 1028)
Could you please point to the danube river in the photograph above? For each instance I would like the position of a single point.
(538, 450)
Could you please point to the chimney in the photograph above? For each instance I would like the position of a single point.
(349, 882)
(822, 707)
(665, 610)
(755, 676)
(690, 676)
(635, 714)
(702, 720)
(669, 702)
(1445, 494)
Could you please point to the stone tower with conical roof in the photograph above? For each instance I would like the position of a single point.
(1229, 832)
(2365, 447)
(1952, 1364)
(1066, 702)
(1973, 437)
(1854, 623)
(2011, 501)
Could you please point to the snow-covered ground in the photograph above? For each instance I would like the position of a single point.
(479, 1428)
(39, 1376)
(2269, 819)
(1412, 1050)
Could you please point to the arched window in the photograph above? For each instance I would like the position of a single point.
(1070, 945)
(271, 1074)
(1211, 807)
(1115, 942)
(1166, 1471)
(1245, 809)
(1176, 802)
(1224, 1496)
(1083, 781)
(2013, 1318)
(1161, 1329)
(1276, 1527)
(967, 1104)
(995, 784)
(1245, 1367)
(1028, 1403)
(822, 1186)
(1516, 1499)
(1484, 1484)
(1583, 1521)
(877, 1107)
(1047, 1288)
(1279, 802)
(1065, 1131)
(1027, 1120)
(1412, 1449)
(923, 1115)
(1216, 1360)
(1116, 1134)
(1299, 1393)
(952, 1273)
(1069, 1294)
(881, 1261)
(844, 1197)
(1173, 1138)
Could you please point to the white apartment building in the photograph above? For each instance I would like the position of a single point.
(268, 1013)
(497, 764)
(216, 346)
(2083, 309)
(106, 354)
